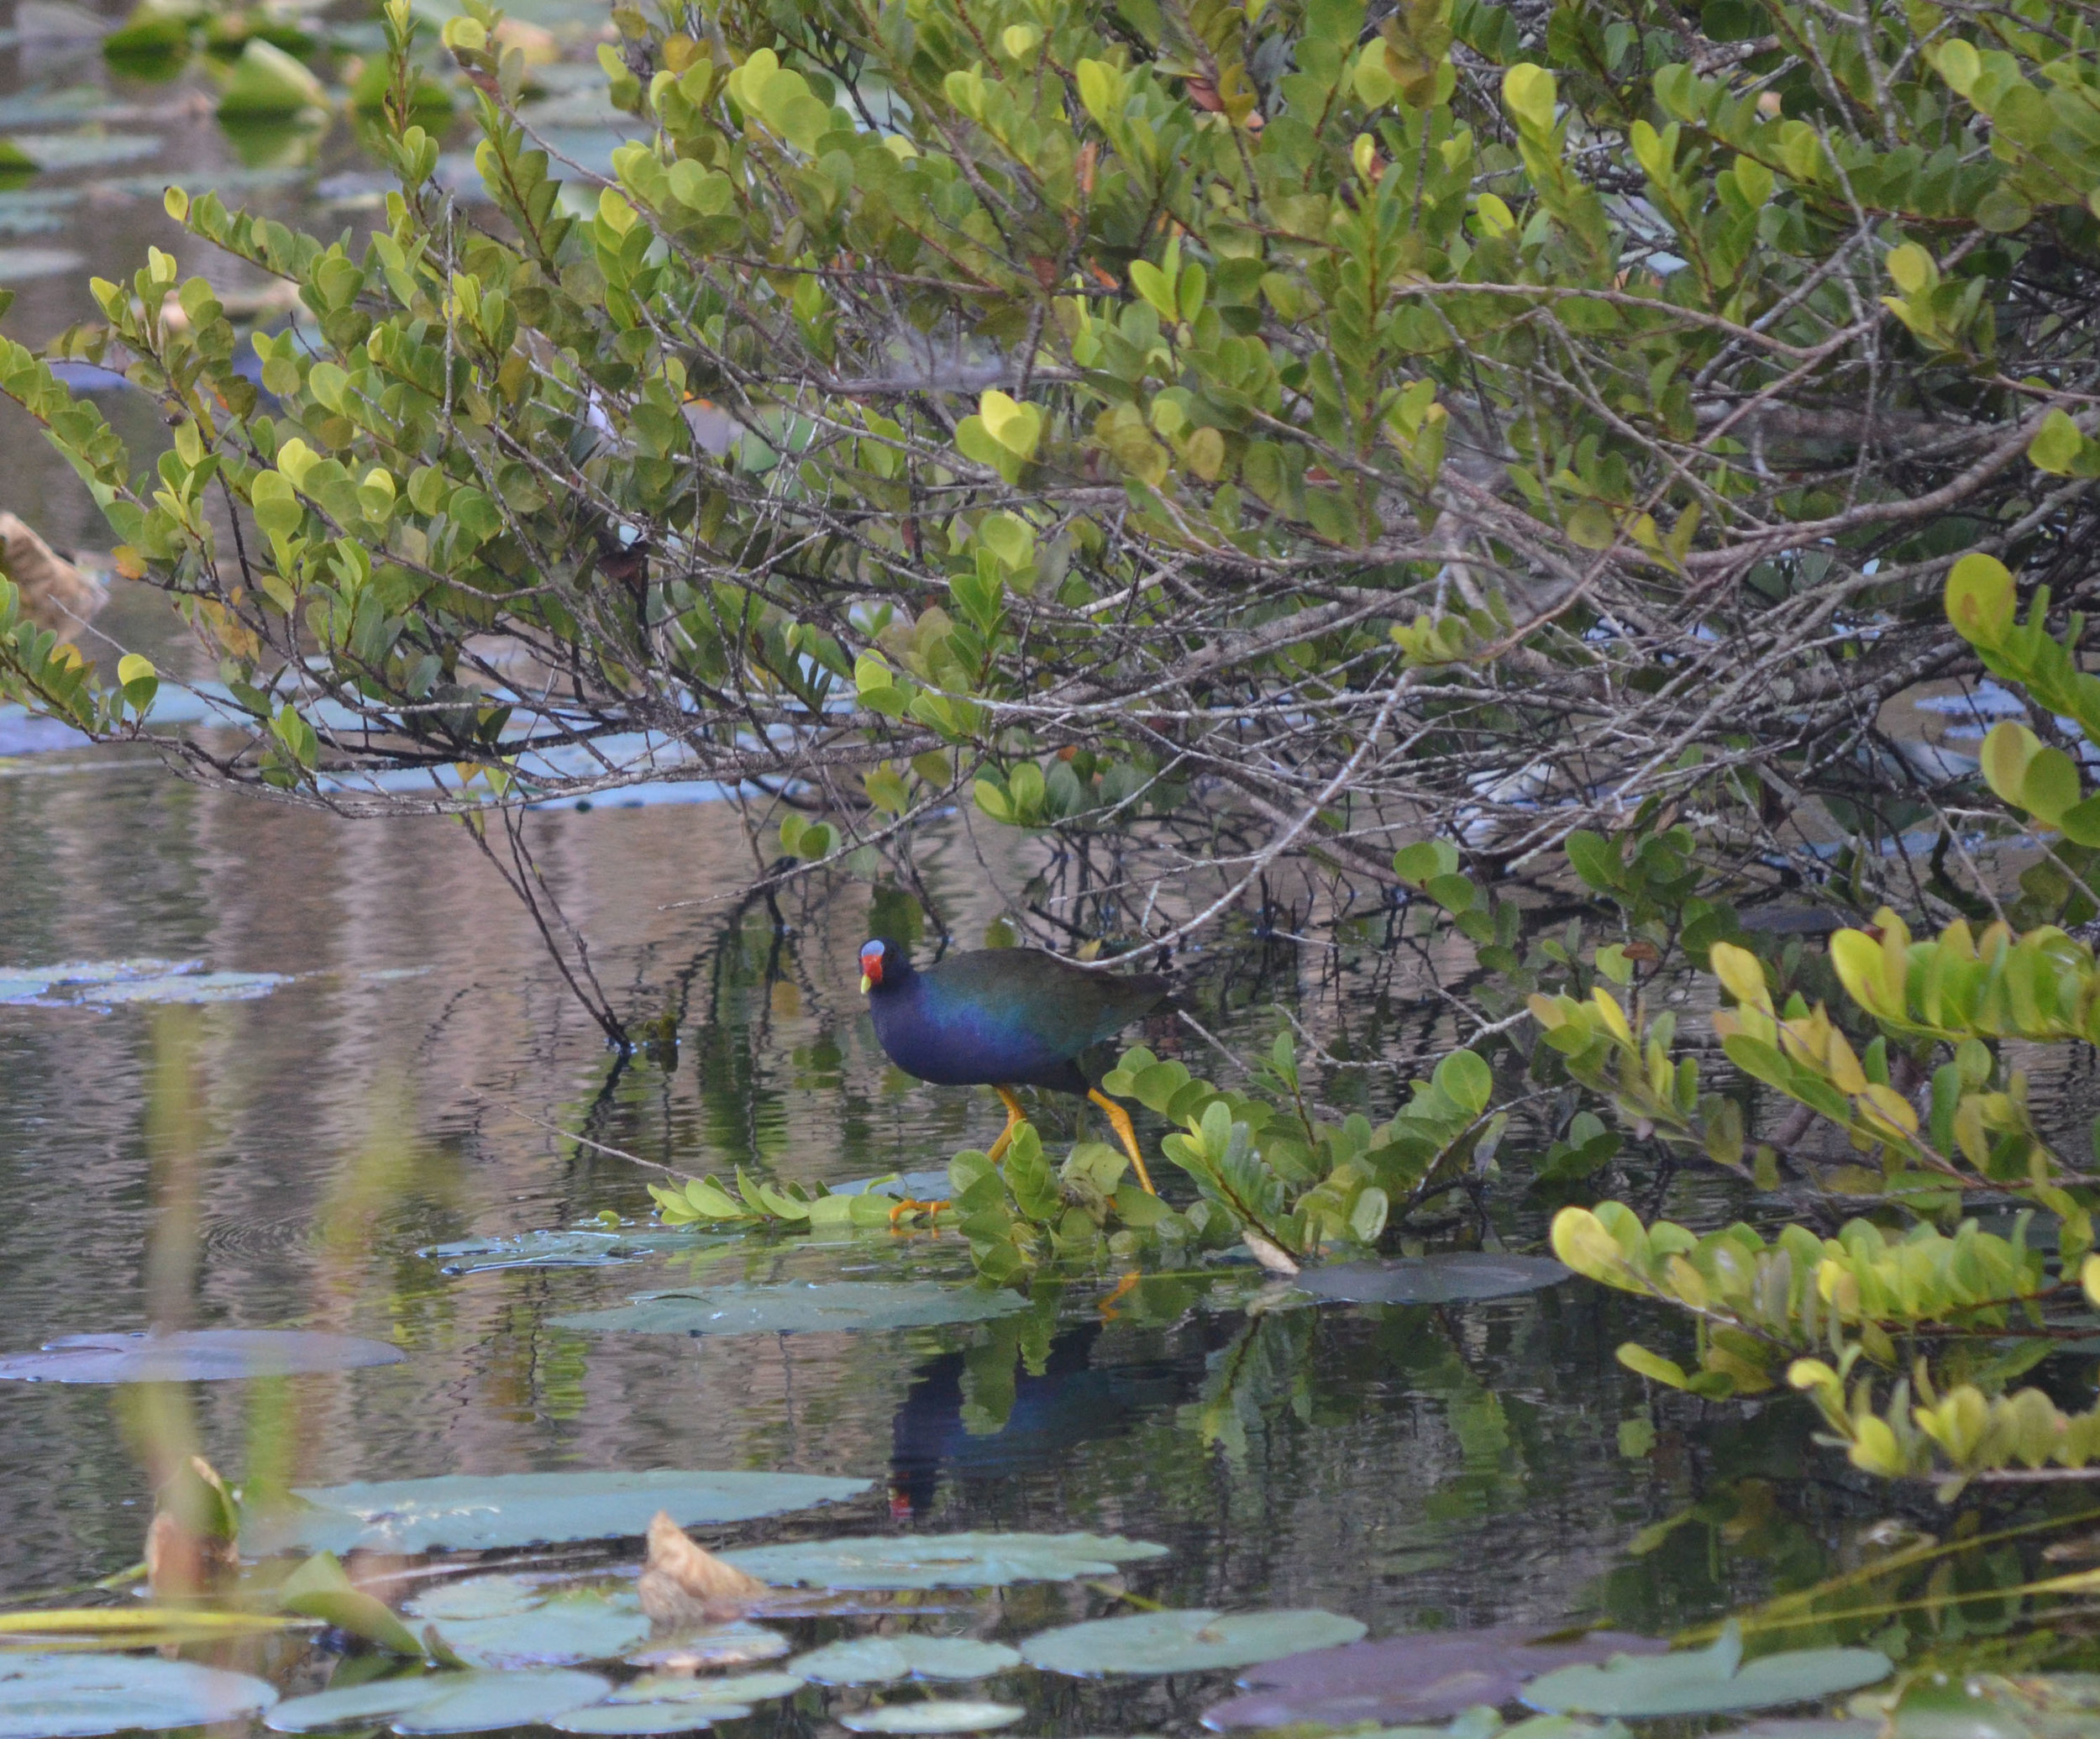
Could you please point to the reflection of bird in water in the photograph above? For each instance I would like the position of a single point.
(1071, 1403)
(1002, 1018)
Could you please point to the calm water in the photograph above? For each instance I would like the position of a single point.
(281, 1162)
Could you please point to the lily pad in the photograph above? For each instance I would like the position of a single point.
(553, 1249)
(192, 987)
(204, 1355)
(89, 148)
(1709, 1681)
(933, 1717)
(717, 1646)
(468, 1512)
(488, 1700)
(881, 1660)
(1453, 1278)
(17, 265)
(736, 1687)
(803, 1307)
(659, 1704)
(512, 1623)
(27, 983)
(647, 1717)
(446, 1702)
(970, 1560)
(1400, 1679)
(70, 1696)
(1191, 1641)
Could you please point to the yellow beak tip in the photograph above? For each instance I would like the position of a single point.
(865, 986)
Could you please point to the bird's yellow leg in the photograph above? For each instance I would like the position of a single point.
(1015, 1117)
(1119, 1120)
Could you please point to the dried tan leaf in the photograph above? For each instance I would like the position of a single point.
(56, 595)
(1268, 1254)
(683, 1584)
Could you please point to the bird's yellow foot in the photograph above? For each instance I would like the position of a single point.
(1118, 1119)
(1015, 1117)
(910, 1206)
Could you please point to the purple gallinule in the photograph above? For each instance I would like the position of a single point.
(1002, 1018)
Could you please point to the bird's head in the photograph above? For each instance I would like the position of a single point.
(880, 959)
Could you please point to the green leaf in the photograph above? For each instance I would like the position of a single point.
(2054, 449)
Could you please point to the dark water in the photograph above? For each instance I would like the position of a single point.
(281, 1162)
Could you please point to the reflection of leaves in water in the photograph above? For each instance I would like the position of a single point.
(988, 1386)
(1266, 1368)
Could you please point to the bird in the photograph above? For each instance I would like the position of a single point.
(1003, 1018)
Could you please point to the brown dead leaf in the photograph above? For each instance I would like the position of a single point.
(56, 595)
(684, 1585)
(190, 1547)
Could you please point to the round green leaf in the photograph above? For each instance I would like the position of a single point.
(799, 1308)
(59, 1696)
(933, 1717)
(969, 1560)
(879, 1660)
(1193, 1641)
(1529, 90)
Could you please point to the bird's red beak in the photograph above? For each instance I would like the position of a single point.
(870, 971)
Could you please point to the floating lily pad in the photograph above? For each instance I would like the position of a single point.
(204, 1355)
(191, 987)
(446, 1702)
(1400, 1679)
(736, 1687)
(1453, 1278)
(881, 1660)
(71, 1696)
(1192, 1641)
(716, 1646)
(507, 1622)
(554, 1249)
(26, 984)
(17, 265)
(1709, 1681)
(933, 1717)
(468, 1512)
(816, 1307)
(377, 1699)
(1989, 1705)
(89, 148)
(647, 1717)
(489, 1700)
(659, 1705)
(970, 1560)
(1777, 1729)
